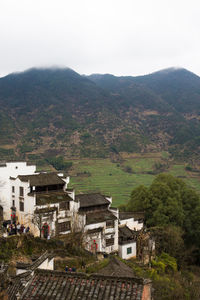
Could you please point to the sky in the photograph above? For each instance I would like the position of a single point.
(120, 37)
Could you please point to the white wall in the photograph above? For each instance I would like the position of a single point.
(123, 250)
(11, 169)
(132, 224)
(106, 233)
(47, 264)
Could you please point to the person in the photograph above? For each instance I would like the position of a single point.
(18, 228)
(66, 269)
(27, 229)
(22, 229)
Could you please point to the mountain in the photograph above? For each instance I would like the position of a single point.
(45, 112)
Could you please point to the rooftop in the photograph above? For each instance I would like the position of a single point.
(128, 215)
(116, 268)
(88, 200)
(42, 179)
(47, 284)
(98, 217)
(52, 197)
(126, 234)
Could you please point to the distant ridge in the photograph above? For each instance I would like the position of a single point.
(51, 111)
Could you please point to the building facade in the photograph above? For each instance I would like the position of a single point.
(43, 202)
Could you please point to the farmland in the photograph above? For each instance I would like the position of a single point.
(117, 179)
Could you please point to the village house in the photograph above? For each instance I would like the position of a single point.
(39, 281)
(43, 202)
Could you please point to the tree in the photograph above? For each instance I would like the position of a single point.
(169, 201)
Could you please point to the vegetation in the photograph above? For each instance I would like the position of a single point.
(168, 282)
(59, 163)
(111, 177)
(98, 116)
(169, 201)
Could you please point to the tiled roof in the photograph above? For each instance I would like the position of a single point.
(87, 200)
(99, 229)
(129, 215)
(33, 266)
(126, 234)
(115, 267)
(42, 179)
(99, 216)
(52, 197)
(47, 284)
(18, 284)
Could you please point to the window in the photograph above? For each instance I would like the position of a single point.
(13, 203)
(64, 205)
(13, 189)
(64, 226)
(21, 205)
(21, 191)
(129, 250)
(109, 242)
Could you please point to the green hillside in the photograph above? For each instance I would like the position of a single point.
(46, 113)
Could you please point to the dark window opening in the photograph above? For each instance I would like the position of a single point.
(13, 189)
(64, 226)
(129, 250)
(109, 242)
(21, 206)
(21, 191)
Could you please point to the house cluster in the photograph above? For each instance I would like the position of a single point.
(44, 203)
(39, 280)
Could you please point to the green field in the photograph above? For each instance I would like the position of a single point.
(110, 178)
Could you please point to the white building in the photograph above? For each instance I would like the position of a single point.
(7, 170)
(43, 202)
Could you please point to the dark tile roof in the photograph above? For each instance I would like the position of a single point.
(22, 265)
(34, 265)
(42, 179)
(99, 216)
(47, 284)
(40, 260)
(115, 267)
(52, 197)
(17, 285)
(126, 235)
(99, 229)
(45, 210)
(128, 215)
(87, 200)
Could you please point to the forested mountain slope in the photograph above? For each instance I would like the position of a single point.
(57, 111)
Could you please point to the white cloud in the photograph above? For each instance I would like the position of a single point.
(124, 37)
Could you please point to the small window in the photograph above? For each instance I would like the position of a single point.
(64, 226)
(129, 250)
(21, 205)
(13, 189)
(21, 191)
(13, 203)
(109, 242)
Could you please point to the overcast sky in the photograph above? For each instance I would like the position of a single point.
(121, 37)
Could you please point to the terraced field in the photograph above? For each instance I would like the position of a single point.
(119, 179)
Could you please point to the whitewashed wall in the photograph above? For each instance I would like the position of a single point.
(11, 169)
(132, 224)
(123, 250)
